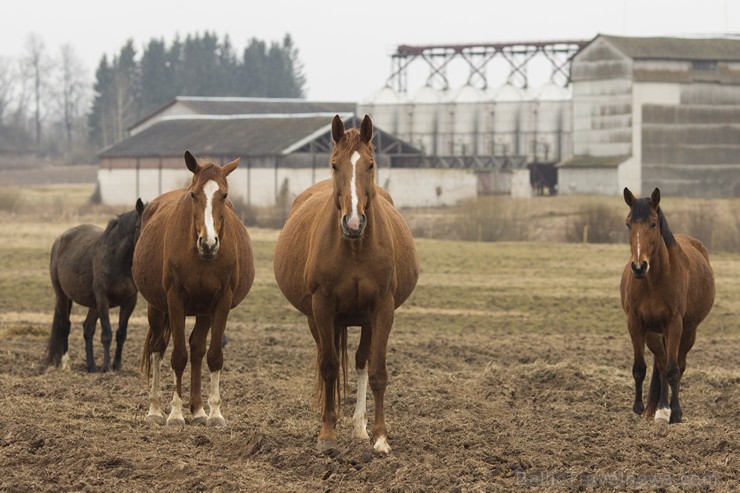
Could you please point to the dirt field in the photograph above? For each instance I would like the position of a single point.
(509, 369)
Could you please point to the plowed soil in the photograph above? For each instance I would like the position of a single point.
(468, 409)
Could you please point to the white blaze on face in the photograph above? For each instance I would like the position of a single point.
(638, 247)
(210, 189)
(354, 218)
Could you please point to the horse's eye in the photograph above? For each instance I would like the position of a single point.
(334, 167)
(628, 225)
(224, 197)
(370, 168)
(192, 195)
(652, 226)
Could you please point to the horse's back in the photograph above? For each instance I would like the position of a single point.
(71, 263)
(701, 278)
(148, 263)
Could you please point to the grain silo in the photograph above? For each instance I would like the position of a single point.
(551, 104)
(466, 121)
(500, 124)
(423, 108)
(383, 106)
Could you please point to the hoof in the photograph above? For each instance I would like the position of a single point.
(361, 434)
(663, 415)
(381, 446)
(217, 422)
(117, 366)
(91, 369)
(325, 446)
(638, 408)
(175, 422)
(155, 419)
(676, 417)
(200, 420)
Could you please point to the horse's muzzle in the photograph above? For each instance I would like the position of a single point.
(640, 270)
(353, 232)
(206, 251)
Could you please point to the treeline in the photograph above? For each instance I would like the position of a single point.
(49, 106)
(128, 88)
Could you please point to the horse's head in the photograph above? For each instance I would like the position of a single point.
(208, 191)
(648, 230)
(353, 173)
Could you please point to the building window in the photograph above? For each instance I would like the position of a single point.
(704, 65)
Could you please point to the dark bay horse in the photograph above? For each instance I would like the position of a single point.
(92, 267)
(345, 257)
(667, 290)
(193, 258)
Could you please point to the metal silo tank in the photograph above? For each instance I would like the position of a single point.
(466, 121)
(550, 102)
(506, 124)
(425, 105)
(383, 106)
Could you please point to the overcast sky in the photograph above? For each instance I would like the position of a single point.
(345, 46)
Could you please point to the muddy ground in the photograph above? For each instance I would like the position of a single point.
(469, 409)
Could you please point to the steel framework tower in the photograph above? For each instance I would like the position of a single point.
(477, 56)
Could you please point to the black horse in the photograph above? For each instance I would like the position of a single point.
(92, 267)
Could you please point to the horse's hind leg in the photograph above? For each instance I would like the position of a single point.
(89, 330)
(106, 333)
(638, 367)
(198, 339)
(687, 342)
(673, 341)
(658, 395)
(58, 346)
(378, 375)
(359, 419)
(154, 348)
(127, 307)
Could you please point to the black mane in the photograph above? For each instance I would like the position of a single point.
(641, 213)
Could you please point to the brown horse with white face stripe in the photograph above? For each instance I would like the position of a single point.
(345, 257)
(193, 258)
(667, 290)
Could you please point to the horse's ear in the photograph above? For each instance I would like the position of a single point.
(337, 129)
(628, 197)
(139, 206)
(366, 130)
(228, 168)
(191, 162)
(655, 198)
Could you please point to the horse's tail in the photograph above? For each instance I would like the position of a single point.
(340, 342)
(653, 393)
(154, 343)
(59, 331)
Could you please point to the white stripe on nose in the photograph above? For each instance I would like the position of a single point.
(638, 247)
(354, 219)
(210, 189)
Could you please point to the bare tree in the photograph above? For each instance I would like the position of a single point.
(7, 81)
(71, 91)
(36, 65)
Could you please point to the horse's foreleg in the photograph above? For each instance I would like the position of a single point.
(106, 333)
(328, 367)
(89, 332)
(127, 307)
(216, 359)
(639, 367)
(197, 351)
(382, 321)
(179, 358)
(359, 420)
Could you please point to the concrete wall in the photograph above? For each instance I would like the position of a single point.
(265, 187)
(600, 181)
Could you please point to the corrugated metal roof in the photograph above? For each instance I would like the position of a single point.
(249, 135)
(676, 48)
(236, 106)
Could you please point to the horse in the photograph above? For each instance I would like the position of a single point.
(92, 267)
(193, 258)
(667, 289)
(345, 257)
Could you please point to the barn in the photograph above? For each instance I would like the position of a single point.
(655, 112)
(284, 146)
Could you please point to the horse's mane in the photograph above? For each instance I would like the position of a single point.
(641, 212)
(350, 141)
(127, 220)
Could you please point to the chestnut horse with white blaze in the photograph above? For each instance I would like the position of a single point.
(193, 258)
(667, 290)
(345, 257)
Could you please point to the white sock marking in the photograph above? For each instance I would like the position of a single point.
(210, 189)
(155, 408)
(214, 397)
(354, 219)
(65, 362)
(175, 416)
(381, 445)
(663, 414)
(359, 420)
